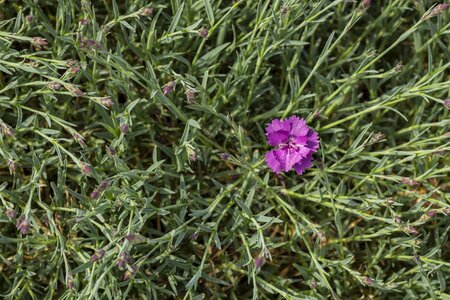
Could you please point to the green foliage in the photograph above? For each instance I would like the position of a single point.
(115, 120)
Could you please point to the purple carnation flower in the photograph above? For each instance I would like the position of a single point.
(294, 144)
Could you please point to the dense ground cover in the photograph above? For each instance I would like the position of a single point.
(133, 138)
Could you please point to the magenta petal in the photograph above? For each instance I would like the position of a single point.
(273, 163)
(304, 164)
(288, 157)
(301, 140)
(277, 132)
(313, 140)
(298, 126)
(277, 138)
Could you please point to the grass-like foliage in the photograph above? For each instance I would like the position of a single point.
(132, 142)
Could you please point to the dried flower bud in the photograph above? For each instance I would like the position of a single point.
(313, 284)
(367, 281)
(437, 10)
(408, 181)
(146, 11)
(411, 230)
(377, 137)
(203, 32)
(38, 42)
(284, 10)
(446, 211)
(76, 91)
(84, 22)
(54, 85)
(11, 213)
(194, 236)
(103, 185)
(23, 225)
(192, 156)
(259, 262)
(78, 138)
(130, 237)
(70, 282)
(428, 215)
(123, 259)
(389, 201)
(224, 156)
(190, 95)
(110, 151)
(398, 219)
(399, 67)
(95, 194)
(74, 70)
(107, 102)
(322, 238)
(98, 255)
(447, 103)
(316, 114)
(130, 272)
(7, 130)
(124, 128)
(11, 166)
(168, 88)
(88, 44)
(365, 4)
(29, 18)
(85, 168)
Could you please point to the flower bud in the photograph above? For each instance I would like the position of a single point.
(124, 128)
(107, 102)
(123, 259)
(38, 42)
(98, 255)
(367, 281)
(95, 194)
(408, 181)
(103, 185)
(389, 201)
(169, 88)
(259, 262)
(365, 4)
(78, 92)
(29, 18)
(313, 284)
(224, 156)
(11, 166)
(377, 137)
(190, 95)
(130, 272)
(447, 103)
(7, 130)
(110, 151)
(316, 114)
(11, 213)
(147, 12)
(86, 169)
(23, 225)
(203, 33)
(84, 22)
(411, 230)
(428, 215)
(54, 85)
(78, 138)
(399, 67)
(70, 282)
